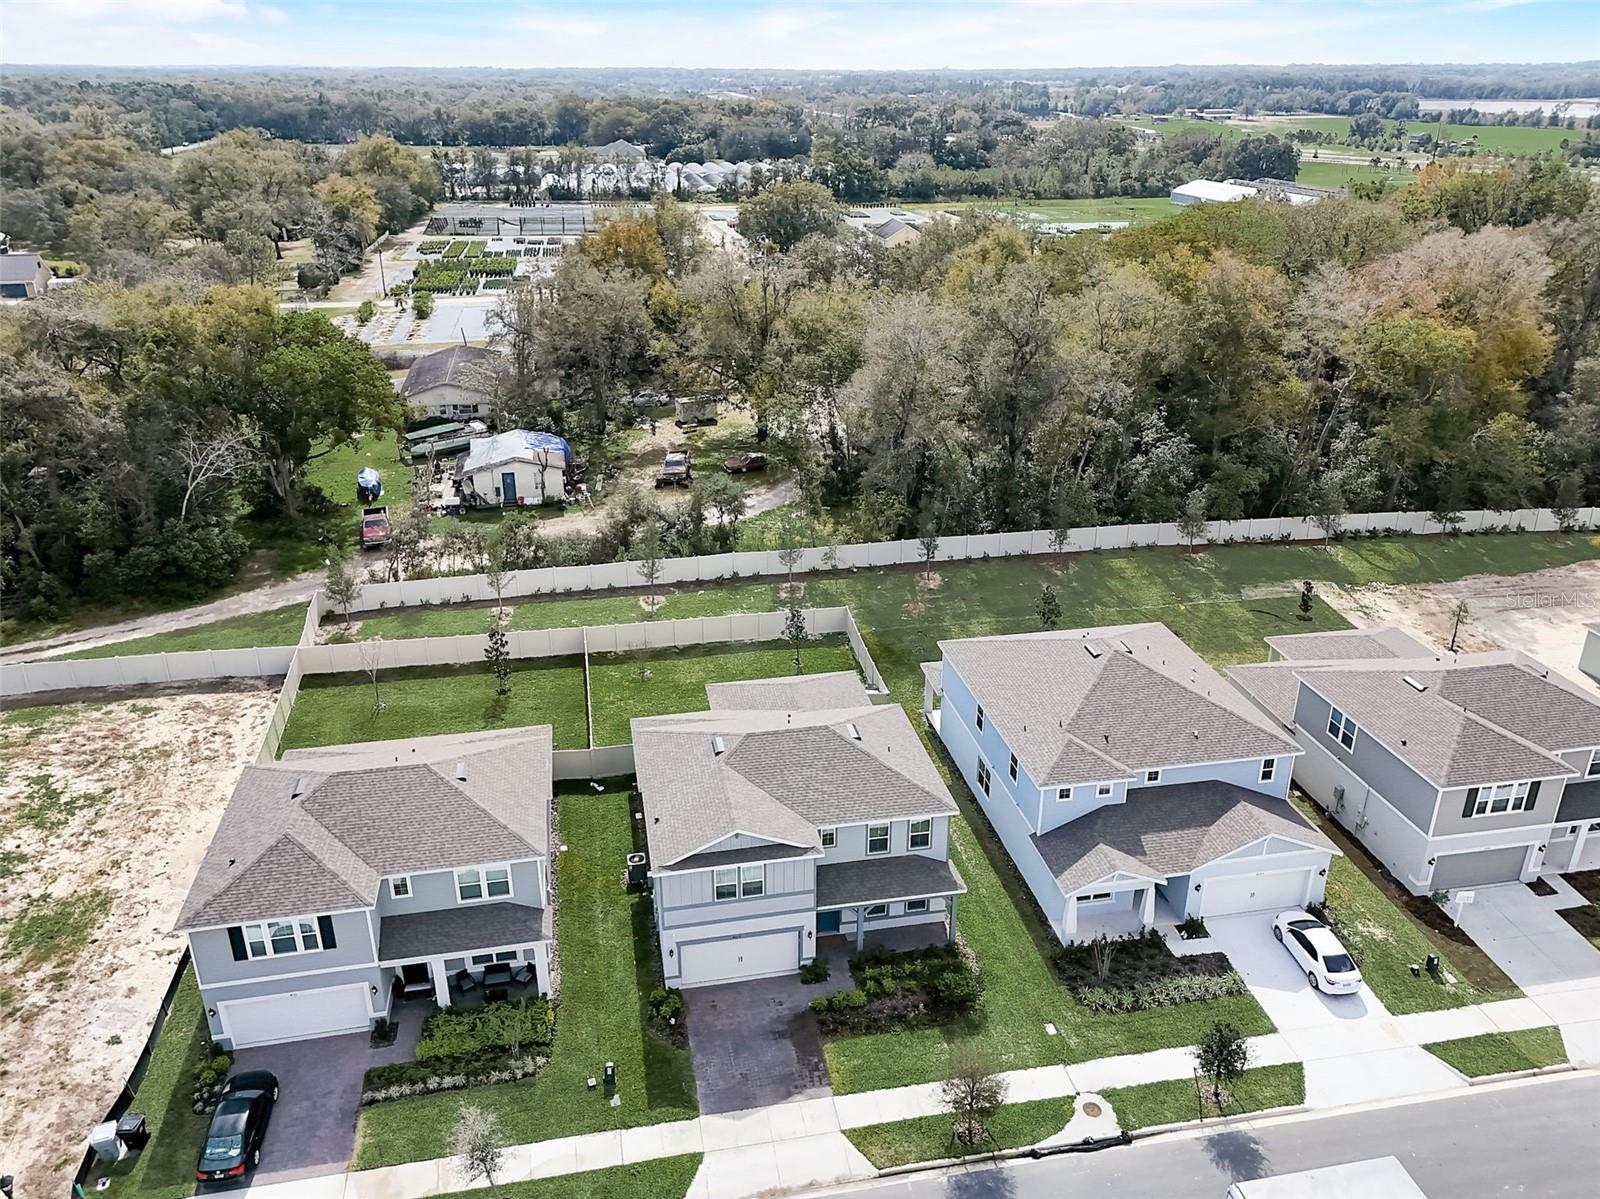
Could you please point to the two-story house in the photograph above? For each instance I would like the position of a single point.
(794, 809)
(1454, 770)
(342, 877)
(1127, 780)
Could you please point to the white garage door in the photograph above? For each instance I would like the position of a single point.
(1254, 892)
(740, 957)
(295, 1016)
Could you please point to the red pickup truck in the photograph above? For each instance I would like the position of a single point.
(374, 528)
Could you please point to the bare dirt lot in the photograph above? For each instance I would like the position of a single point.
(1542, 613)
(105, 811)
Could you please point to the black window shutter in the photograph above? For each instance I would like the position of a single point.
(1472, 799)
(1533, 794)
(236, 942)
(325, 932)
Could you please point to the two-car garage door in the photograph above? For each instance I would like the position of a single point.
(295, 1015)
(755, 956)
(1479, 868)
(1276, 890)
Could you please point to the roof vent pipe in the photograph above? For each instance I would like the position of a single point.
(461, 771)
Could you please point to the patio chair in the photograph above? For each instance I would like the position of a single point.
(464, 982)
(526, 976)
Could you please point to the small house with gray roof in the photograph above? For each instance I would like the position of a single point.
(792, 811)
(344, 880)
(1454, 770)
(451, 383)
(1129, 782)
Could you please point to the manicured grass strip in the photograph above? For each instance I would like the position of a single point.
(662, 1178)
(420, 701)
(278, 626)
(927, 1138)
(165, 1169)
(1502, 1052)
(608, 954)
(1387, 939)
(677, 678)
(1173, 1102)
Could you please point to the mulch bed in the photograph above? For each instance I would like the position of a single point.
(1586, 883)
(1585, 920)
(1143, 959)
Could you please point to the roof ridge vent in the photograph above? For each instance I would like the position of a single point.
(1090, 648)
(718, 747)
(1415, 684)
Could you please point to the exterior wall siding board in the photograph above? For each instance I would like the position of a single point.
(1451, 821)
(1408, 792)
(213, 955)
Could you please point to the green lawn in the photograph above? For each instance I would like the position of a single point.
(1317, 173)
(165, 1169)
(600, 1016)
(662, 1178)
(927, 1138)
(678, 677)
(1135, 209)
(1496, 139)
(419, 701)
(277, 626)
(1173, 1102)
(1387, 939)
(1502, 1052)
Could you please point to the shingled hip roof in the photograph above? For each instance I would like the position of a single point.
(442, 367)
(317, 831)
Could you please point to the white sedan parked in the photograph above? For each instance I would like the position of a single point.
(1327, 964)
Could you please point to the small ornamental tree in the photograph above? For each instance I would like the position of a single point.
(929, 541)
(1222, 1057)
(972, 1094)
(422, 305)
(1328, 509)
(364, 312)
(795, 631)
(498, 654)
(371, 660)
(340, 586)
(1048, 608)
(1192, 523)
(1569, 495)
(476, 1145)
(1308, 592)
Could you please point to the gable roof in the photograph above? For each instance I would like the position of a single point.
(801, 693)
(516, 445)
(317, 831)
(1348, 645)
(1162, 831)
(1086, 705)
(20, 268)
(779, 777)
(891, 227)
(441, 367)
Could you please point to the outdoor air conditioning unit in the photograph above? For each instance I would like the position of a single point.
(638, 870)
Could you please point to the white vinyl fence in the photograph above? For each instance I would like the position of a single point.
(605, 576)
(181, 666)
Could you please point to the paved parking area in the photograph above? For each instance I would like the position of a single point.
(1521, 931)
(756, 1043)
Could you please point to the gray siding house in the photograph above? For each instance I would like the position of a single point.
(1454, 770)
(1128, 782)
(793, 810)
(450, 383)
(345, 878)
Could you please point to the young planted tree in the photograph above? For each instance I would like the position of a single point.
(1192, 523)
(972, 1094)
(791, 543)
(929, 542)
(1102, 952)
(795, 631)
(496, 575)
(476, 1145)
(498, 654)
(1222, 1056)
(1459, 616)
(648, 551)
(1328, 509)
(1048, 608)
(1568, 498)
(371, 660)
(1308, 592)
(341, 587)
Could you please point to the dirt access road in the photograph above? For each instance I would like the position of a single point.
(105, 811)
(1542, 613)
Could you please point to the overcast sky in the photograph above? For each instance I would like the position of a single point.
(1005, 34)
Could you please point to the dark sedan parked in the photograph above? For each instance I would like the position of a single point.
(741, 464)
(238, 1126)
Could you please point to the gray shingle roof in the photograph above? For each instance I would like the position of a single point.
(460, 930)
(1348, 645)
(20, 268)
(318, 830)
(1163, 831)
(1086, 705)
(879, 880)
(443, 366)
(1579, 801)
(1531, 702)
(1275, 686)
(781, 775)
(801, 693)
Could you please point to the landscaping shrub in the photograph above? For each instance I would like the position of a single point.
(1144, 973)
(495, 265)
(424, 305)
(455, 249)
(509, 1028)
(444, 1074)
(364, 312)
(210, 1073)
(432, 246)
(915, 989)
(815, 971)
(439, 276)
(1193, 929)
(664, 1007)
(474, 249)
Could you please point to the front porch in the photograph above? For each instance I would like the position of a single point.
(467, 955)
(884, 894)
(1114, 910)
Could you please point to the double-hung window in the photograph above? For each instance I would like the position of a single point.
(980, 718)
(829, 837)
(1341, 728)
(490, 882)
(752, 880)
(276, 938)
(877, 838)
(921, 834)
(400, 888)
(726, 883)
(1269, 767)
(1503, 797)
(983, 775)
(1012, 769)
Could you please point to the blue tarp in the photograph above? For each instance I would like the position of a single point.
(369, 481)
(548, 441)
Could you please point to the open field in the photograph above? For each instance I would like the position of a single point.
(105, 808)
(1320, 173)
(605, 934)
(1495, 139)
(1038, 212)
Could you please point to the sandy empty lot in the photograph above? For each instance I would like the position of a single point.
(105, 811)
(1542, 613)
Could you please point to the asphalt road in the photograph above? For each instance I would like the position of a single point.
(1540, 1140)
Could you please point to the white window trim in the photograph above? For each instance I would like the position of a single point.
(400, 880)
(1339, 723)
(980, 718)
(888, 839)
(481, 874)
(1097, 897)
(875, 911)
(828, 836)
(1269, 769)
(755, 874)
(1515, 796)
(719, 880)
(985, 773)
(916, 906)
(1152, 776)
(1104, 790)
(912, 834)
(1011, 768)
(294, 922)
(1593, 770)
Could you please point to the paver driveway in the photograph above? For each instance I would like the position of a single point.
(756, 1043)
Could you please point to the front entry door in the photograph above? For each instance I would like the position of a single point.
(508, 487)
(828, 922)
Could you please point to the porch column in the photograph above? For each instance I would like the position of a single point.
(951, 905)
(861, 929)
(1577, 845)
(441, 982)
(1069, 921)
(1148, 916)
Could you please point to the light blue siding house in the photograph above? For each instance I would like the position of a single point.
(344, 880)
(792, 811)
(1128, 782)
